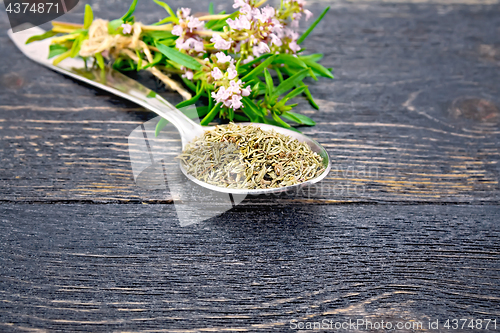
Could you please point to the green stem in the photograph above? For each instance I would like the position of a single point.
(211, 115)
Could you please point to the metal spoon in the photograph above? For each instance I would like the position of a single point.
(123, 86)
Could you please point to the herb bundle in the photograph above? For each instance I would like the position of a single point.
(224, 60)
(247, 157)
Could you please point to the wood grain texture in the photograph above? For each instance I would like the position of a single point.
(400, 70)
(411, 118)
(131, 268)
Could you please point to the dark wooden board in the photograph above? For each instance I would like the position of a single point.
(133, 268)
(415, 100)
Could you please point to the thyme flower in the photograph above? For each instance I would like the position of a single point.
(229, 88)
(127, 28)
(220, 43)
(186, 30)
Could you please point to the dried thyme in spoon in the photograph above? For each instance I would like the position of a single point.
(247, 157)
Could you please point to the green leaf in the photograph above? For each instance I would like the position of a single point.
(203, 110)
(218, 24)
(194, 112)
(230, 115)
(130, 11)
(100, 60)
(291, 117)
(280, 121)
(271, 121)
(151, 94)
(211, 115)
(61, 57)
(278, 72)
(255, 87)
(253, 62)
(295, 92)
(289, 60)
(211, 8)
(258, 69)
(320, 69)
(252, 116)
(210, 100)
(257, 84)
(139, 60)
(240, 117)
(290, 82)
(124, 65)
(309, 96)
(293, 62)
(211, 23)
(166, 7)
(222, 22)
(299, 118)
(167, 19)
(88, 18)
(114, 25)
(156, 60)
(312, 57)
(249, 111)
(160, 125)
(43, 36)
(251, 105)
(311, 28)
(199, 87)
(75, 49)
(160, 35)
(167, 42)
(180, 58)
(269, 82)
(290, 70)
(238, 64)
(56, 49)
(189, 83)
(191, 101)
(72, 36)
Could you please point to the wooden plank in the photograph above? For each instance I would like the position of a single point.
(415, 104)
(133, 268)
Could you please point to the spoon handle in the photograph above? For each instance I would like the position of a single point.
(109, 80)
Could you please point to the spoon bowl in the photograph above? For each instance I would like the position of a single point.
(123, 86)
(315, 147)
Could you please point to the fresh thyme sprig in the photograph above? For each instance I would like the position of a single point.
(226, 61)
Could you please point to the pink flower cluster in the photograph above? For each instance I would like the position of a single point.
(186, 28)
(290, 14)
(188, 74)
(230, 90)
(220, 43)
(290, 37)
(297, 15)
(257, 31)
(127, 28)
(261, 25)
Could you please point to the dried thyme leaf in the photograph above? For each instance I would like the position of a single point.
(247, 157)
